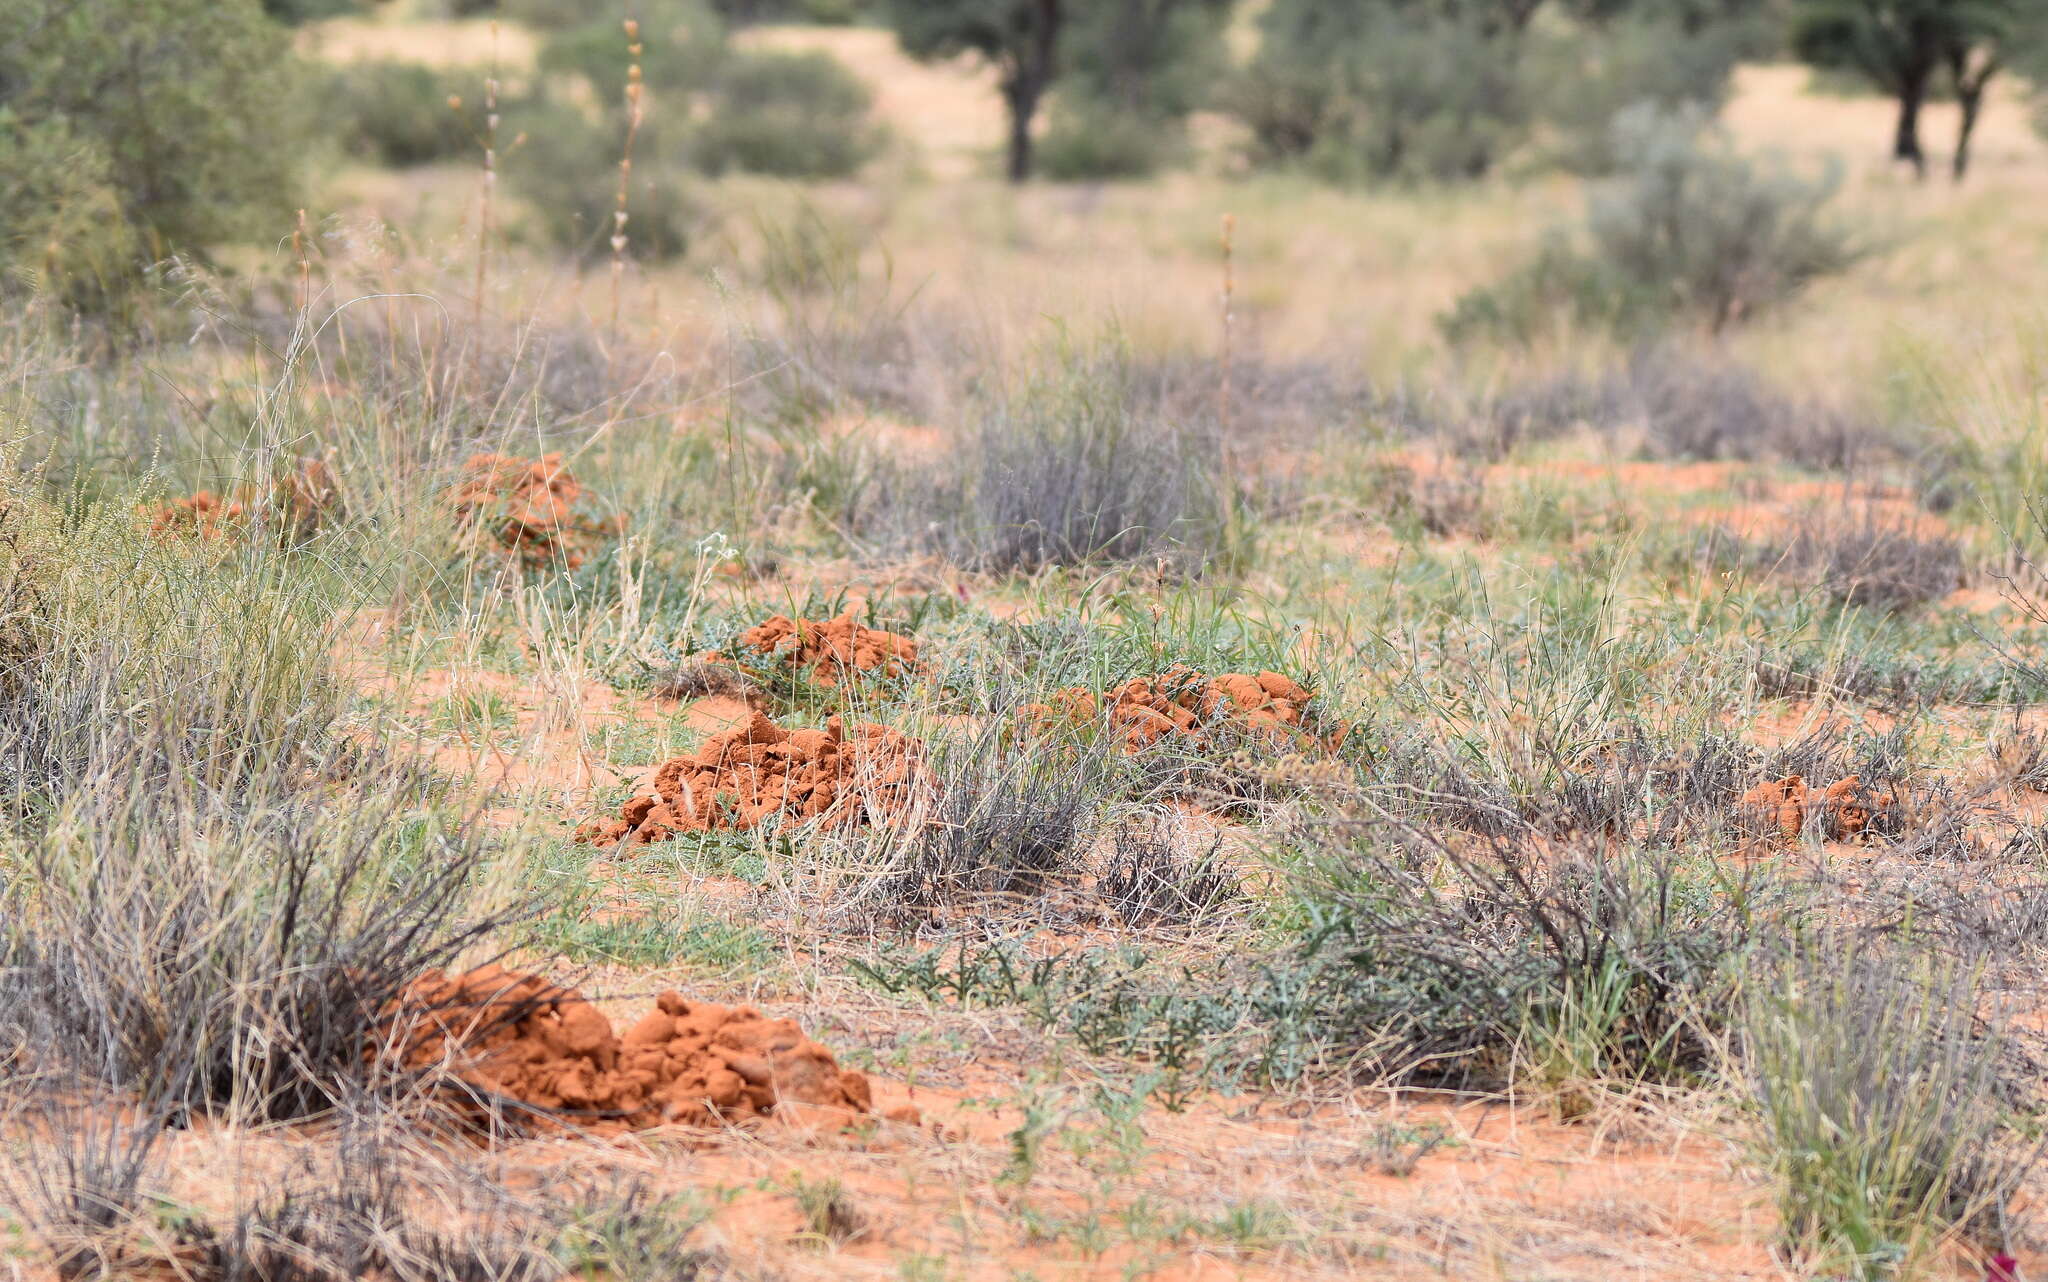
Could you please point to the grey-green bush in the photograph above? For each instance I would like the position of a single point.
(63, 232)
(1580, 81)
(1691, 231)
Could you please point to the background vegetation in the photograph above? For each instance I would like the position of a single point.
(1594, 404)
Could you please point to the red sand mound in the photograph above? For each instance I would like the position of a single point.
(833, 649)
(531, 508)
(203, 514)
(1183, 701)
(518, 1037)
(739, 778)
(1783, 805)
(298, 502)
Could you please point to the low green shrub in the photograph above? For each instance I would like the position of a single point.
(62, 229)
(565, 166)
(1088, 140)
(401, 113)
(790, 115)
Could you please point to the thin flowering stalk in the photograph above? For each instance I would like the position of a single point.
(633, 96)
(1229, 298)
(490, 177)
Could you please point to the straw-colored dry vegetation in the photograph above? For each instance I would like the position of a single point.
(1433, 678)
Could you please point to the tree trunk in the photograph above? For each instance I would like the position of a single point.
(1033, 71)
(1972, 100)
(1023, 106)
(1906, 146)
(1972, 71)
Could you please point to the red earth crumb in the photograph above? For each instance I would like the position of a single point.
(1183, 701)
(518, 1037)
(833, 649)
(1783, 804)
(203, 514)
(741, 777)
(299, 502)
(531, 508)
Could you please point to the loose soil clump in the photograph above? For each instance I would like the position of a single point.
(533, 509)
(832, 650)
(1184, 702)
(760, 770)
(298, 503)
(202, 514)
(1846, 810)
(516, 1039)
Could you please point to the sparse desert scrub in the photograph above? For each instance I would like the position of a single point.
(1161, 1011)
(1883, 1090)
(1479, 961)
(216, 888)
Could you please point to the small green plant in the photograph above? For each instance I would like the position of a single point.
(1253, 1225)
(635, 1236)
(1396, 1149)
(829, 1214)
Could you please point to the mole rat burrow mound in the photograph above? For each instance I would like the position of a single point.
(203, 514)
(518, 1038)
(533, 509)
(1847, 810)
(832, 650)
(1184, 702)
(741, 777)
(297, 503)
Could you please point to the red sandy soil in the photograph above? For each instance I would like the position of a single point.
(741, 777)
(534, 509)
(518, 1037)
(1183, 701)
(833, 649)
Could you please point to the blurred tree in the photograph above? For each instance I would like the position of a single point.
(1131, 73)
(1158, 58)
(1900, 46)
(1390, 89)
(184, 108)
(1019, 38)
(1999, 34)
(294, 12)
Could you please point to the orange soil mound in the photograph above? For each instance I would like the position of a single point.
(741, 777)
(299, 502)
(519, 1037)
(531, 508)
(1183, 701)
(1784, 804)
(204, 514)
(833, 649)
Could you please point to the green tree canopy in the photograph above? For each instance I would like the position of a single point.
(185, 110)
